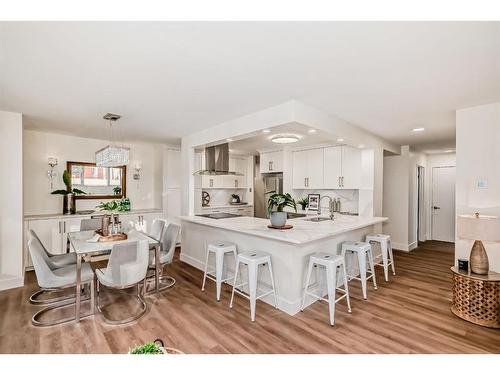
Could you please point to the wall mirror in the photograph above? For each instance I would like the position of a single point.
(98, 182)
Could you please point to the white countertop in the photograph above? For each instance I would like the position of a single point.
(96, 212)
(226, 206)
(302, 232)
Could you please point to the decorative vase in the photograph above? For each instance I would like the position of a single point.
(278, 219)
(479, 259)
(69, 203)
(303, 206)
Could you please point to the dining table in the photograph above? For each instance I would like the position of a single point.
(86, 246)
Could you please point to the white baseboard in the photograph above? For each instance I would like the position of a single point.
(290, 307)
(9, 282)
(403, 247)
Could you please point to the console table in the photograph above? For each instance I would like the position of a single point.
(476, 298)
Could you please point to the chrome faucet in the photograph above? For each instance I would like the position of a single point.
(330, 206)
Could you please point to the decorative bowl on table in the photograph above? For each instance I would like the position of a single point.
(111, 237)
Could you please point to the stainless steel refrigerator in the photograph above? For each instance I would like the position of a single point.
(265, 185)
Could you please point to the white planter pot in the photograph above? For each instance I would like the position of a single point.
(278, 219)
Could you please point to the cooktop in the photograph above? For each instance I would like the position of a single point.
(219, 215)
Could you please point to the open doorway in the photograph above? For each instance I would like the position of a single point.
(420, 220)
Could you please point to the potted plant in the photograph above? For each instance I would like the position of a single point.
(69, 195)
(303, 202)
(275, 205)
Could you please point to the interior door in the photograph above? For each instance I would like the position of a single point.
(443, 204)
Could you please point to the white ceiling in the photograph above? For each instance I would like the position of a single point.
(251, 143)
(172, 79)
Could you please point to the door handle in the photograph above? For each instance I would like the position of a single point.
(436, 208)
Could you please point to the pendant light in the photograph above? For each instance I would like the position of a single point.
(112, 155)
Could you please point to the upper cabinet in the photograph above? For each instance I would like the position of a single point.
(308, 169)
(271, 162)
(236, 164)
(337, 167)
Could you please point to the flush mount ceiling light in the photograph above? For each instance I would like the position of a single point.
(229, 139)
(312, 131)
(285, 139)
(112, 155)
(361, 146)
(416, 130)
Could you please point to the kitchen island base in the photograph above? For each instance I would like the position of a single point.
(290, 255)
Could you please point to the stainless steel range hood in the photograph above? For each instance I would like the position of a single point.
(217, 161)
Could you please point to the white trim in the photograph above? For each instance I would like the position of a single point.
(401, 246)
(9, 282)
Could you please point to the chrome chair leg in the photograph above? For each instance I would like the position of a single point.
(166, 282)
(35, 319)
(48, 301)
(127, 320)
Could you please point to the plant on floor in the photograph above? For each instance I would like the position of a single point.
(69, 194)
(147, 348)
(303, 202)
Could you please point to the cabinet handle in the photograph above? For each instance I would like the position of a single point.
(235, 183)
(60, 231)
(64, 223)
(340, 184)
(342, 181)
(270, 165)
(305, 181)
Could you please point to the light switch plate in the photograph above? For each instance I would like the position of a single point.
(481, 183)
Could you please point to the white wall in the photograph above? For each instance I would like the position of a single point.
(478, 156)
(38, 146)
(11, 200)
(395, 197)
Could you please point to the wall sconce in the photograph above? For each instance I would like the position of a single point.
(52, 162)
(137, 174)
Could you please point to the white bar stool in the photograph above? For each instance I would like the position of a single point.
(253, 260)
(363, 250)
(329, 263)
(216, 274)
(384, 241)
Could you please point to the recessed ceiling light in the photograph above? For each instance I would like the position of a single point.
(361, 146)
(285, 139)
(340, 139)
(229, 139)
(417, 130)
(447, 151)
(312, 131)
(266, 131)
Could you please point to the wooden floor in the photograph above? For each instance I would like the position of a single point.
(410, 314)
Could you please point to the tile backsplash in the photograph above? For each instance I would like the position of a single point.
(349, 198)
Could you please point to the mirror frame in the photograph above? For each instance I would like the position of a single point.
(69, 164)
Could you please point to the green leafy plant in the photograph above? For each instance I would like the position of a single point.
(116, 205)
(147, 348)
(67, 181)
(280, 201)
(303, 202)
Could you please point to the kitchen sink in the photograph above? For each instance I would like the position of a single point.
(317, 219)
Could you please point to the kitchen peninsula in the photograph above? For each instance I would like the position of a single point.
(289, 249)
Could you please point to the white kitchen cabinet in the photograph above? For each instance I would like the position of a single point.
(332, 167)
(50, 232)
(212, 182)
(143, 220)
(271, 162)
(234, 182)
(351, 168)
(307, 170)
